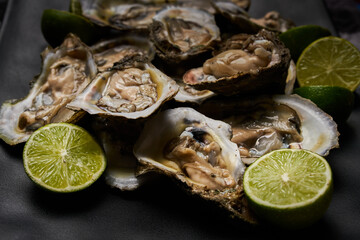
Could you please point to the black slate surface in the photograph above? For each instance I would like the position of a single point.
(158, 210)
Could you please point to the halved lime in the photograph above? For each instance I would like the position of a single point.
(63, 157)
(289, 187)
(338, 102)
(329, 61)
(298, 38)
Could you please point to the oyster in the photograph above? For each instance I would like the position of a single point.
(107, 52)
(181, 33)
(265, 123)
(66, 71)
(197, 152)
(133, 89)
(261, 65)
(120, 14)
(233, 18)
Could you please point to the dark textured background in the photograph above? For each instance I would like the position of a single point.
(158, 210)
(345, 15)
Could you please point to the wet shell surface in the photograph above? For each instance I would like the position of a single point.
(265, 123)
(66, 71)
(181, 33)
(133, 89)
(261, 65)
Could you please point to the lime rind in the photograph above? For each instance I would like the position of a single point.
(338, 102)
(54, 164)
(272, 164)
(298, 38)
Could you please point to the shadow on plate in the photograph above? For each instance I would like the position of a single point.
(15, 151)
(66, 203)
(165, 197)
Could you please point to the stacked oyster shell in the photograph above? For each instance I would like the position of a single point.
(178, 90)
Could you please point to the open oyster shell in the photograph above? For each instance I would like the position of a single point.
(132, 89)
(66, 71)
(196, 151)
(265, 123)
(181, 33)
(261, 65)
(121, 14)
(108, 52)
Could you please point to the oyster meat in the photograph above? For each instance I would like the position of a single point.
(120, 14)
(181, 33)
(108, 52)
(66, 71)
(196, 151)
(133, 88)
(265, 123)
(261, 65)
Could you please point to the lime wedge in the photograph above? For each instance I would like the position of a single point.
(329, 61)
(290, 188)
(338, 102)
(56, 24)
(298, 38)
(63, 157)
